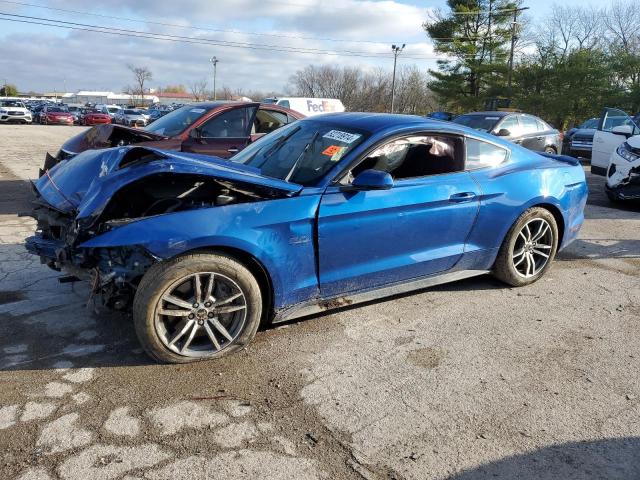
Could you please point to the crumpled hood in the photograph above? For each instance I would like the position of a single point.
(85, 183)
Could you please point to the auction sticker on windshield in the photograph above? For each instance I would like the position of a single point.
(344, 137)
(197, 110)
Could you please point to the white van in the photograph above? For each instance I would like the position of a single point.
(311, 106)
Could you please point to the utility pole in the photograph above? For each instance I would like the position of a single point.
(513, 42)
(396, 51)
(214, 61)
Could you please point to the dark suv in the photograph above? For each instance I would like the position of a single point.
(521, 128)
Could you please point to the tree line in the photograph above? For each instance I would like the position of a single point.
(569, 65)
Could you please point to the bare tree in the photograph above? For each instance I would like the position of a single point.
(365, 91)
(141, 76)
(199, 90)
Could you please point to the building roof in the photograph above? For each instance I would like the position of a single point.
(173, 95)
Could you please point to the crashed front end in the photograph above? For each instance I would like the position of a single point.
(623, 174)
(96, 192)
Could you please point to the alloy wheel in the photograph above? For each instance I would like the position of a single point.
(533, 247)
(200, 314)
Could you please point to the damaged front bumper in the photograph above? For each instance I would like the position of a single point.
(623, 174)
(113, 273)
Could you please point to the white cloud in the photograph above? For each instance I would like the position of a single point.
(97, 61)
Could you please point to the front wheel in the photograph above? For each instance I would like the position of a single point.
(550, 150)
(196, 307)
(528, 249)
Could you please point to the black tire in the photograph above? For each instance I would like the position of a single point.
(551, 150)
(161, 276)
(504, 268)
(612, 198)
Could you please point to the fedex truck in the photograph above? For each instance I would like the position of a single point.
(311, 106)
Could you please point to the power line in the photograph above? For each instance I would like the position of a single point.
(193, 40)
(236, 32)
(191, 27)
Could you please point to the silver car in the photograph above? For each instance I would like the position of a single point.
(131, 118)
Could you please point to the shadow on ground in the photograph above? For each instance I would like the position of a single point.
(609, 459)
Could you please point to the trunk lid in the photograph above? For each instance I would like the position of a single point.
(103, 136)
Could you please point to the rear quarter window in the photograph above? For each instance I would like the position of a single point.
(483, 154)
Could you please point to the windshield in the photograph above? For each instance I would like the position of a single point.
(301, 152)
(11, 103)
(113, 109)
(592, 123)
(56, 109)
(177, 121)
(484, 123)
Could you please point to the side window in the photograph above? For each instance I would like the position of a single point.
(542, 127)
(615, 118)
(267, 121)
(511, 123)
(482, 154)
(416, 156)
(230, 124)
(529, 124)
(284, 103)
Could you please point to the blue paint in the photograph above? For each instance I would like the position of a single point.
(323, 240)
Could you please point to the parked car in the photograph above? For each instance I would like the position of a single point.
(77, 113)
(14, 111)
(614, 128)
(55, 115)
(578, 141)
(203, 250)
(446, 116)
(111, 110)
(95, 117)
(523, 129)
(130, 118)
(623, 174)
(212, 128)
(311, 106)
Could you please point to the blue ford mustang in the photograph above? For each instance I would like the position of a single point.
(322, 213)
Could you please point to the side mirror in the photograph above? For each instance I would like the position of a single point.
(371, 180)
(504, 132)
(626, 130)
(195, 133)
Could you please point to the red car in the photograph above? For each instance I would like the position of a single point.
(95, 118)
(212, 128)
(51, 115)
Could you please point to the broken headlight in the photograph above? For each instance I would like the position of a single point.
(628, 153)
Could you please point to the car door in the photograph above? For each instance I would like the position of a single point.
(224, 134)
(605, 141)
(531, 138)
(367, 239)
(510, 123)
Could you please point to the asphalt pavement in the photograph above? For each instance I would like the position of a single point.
(470, 380)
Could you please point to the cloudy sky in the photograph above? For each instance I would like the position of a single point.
(259, 43)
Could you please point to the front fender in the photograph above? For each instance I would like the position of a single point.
(278, 233)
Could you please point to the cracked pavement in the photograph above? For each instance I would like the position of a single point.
(464, 381)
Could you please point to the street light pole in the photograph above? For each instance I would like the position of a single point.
(513, 43)
(396, 51)
(214, 61)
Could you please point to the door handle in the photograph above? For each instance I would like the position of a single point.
(233, 150)
(462, 197)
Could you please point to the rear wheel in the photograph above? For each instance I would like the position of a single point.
(528, 249)
(196, 307)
